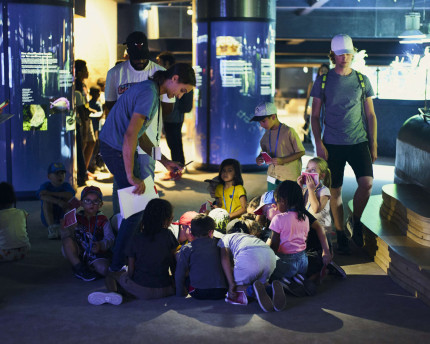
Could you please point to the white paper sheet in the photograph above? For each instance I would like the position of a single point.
(131, 203)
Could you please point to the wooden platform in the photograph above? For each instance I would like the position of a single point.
(405, 260)
(408, 207)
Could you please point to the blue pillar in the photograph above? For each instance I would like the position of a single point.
(36, 75)
(234, 51)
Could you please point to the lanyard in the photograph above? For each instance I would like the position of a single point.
(90, 243)
(231, 202)
(277, 138)
(318, 187)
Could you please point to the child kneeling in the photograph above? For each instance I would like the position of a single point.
(254, 262)
(201, 259)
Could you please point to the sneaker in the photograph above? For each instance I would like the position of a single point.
(342, 243)
(357, 234)
(99, 298)
(278, 299)
(263, 299)
(82, 272)
(299, 279)
(240, 299)
(54, 232)
(293, 287)
(336, 270)
(310, 287)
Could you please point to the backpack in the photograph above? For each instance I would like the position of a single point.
(363, 96)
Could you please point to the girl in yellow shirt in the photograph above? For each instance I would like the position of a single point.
(231, 194)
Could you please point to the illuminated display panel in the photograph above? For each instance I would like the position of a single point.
(241, 73)
(40, 83)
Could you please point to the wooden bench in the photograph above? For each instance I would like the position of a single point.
(404, 259)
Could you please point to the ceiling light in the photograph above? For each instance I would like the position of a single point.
(412, 33)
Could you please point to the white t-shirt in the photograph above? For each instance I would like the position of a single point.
(13, 229)
(123, 76)
(323, 217)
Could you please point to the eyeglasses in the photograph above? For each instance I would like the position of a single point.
(87, 201)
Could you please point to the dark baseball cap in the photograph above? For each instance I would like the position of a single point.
(56, 167)
(92, 189)
(137, 46)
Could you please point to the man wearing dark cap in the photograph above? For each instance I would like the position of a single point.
(123, 76)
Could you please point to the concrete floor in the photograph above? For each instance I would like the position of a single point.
(42, 302)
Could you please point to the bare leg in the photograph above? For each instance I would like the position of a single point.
(88, 152)
(71, 250)
(362, 195)
(48, 212)
(101, 266)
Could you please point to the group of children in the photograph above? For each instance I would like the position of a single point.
(232, 250)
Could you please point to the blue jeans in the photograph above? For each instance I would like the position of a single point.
(144, 166)
(115, 163)
(289, 265)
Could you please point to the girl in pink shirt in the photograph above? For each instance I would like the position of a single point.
(290, 230)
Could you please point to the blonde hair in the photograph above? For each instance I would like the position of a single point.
(323, 166)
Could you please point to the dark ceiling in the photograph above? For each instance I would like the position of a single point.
(303, 27)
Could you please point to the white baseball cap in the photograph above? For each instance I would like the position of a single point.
(263, 110)
(342, 44)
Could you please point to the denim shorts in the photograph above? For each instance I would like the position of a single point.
(288, 265)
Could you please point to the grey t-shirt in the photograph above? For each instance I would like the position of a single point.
(143, 99)
(343, 118)
(201, 258)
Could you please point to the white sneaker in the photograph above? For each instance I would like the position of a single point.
(98, 298)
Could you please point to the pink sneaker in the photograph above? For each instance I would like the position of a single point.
(241, 299)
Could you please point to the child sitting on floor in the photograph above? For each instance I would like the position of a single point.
(221, 218)
(264, 214)
(206, 207)
(150, 256)
(253, 264)
(230, 194)
(14, 243)
(86, 245)
(201, 258)
(295, 233)
(54, 196)
(317, 197)
(182, 229)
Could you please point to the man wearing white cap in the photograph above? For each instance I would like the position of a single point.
(281, 147)
(349, 134)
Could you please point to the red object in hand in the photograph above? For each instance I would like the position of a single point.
(266, 157)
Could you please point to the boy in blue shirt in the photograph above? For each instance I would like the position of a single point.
(54, 195)
(201, 260)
